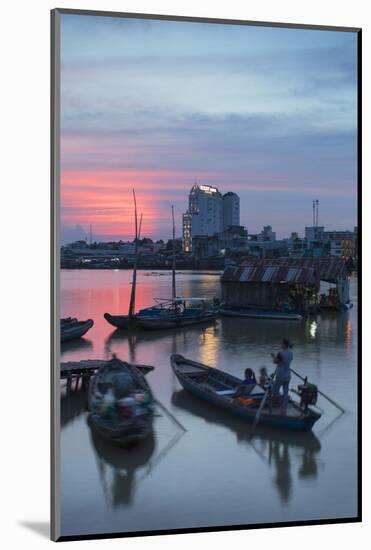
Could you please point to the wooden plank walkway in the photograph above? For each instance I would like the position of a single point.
(76, 370)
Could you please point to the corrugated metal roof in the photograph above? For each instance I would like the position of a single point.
(266, 273)
(325, 269)
(329, 269)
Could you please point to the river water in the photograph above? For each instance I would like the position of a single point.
(211, 474)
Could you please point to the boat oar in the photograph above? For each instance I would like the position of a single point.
(261, 406)
(170, 415)
(320, 392)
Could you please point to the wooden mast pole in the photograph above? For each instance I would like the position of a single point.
(134, 280)
(173, 274)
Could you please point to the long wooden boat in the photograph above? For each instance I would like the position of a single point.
(250, 313)
(219, 388)
(121, 403)
(179, 312)
(71, 328)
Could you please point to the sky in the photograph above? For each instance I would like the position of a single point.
(268, 113)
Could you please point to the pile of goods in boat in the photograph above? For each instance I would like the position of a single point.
(119, 400)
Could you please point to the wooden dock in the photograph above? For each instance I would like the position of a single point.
(74, 371)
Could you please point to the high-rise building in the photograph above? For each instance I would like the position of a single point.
(209, 213)
(231, 210)
(204, 215)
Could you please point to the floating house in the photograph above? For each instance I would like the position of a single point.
(263, 286)
(334, 271)
(285, 285)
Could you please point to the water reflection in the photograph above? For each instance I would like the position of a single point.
(274, 447)
(280, 470)
(118, 468)
(73, 405)
(81, 344)
(202, 335)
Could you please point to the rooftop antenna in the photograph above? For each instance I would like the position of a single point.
(314, 219)
(317, 203)
(91, 235)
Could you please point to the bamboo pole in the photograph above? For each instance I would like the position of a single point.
(321, 393)
(173, 274)
(134, 280)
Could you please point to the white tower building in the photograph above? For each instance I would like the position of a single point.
(231, 210)
(209, 212)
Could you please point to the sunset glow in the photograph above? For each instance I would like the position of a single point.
(267, 113)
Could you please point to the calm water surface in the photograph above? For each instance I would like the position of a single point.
(211, 474)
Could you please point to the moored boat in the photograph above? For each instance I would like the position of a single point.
(250, 313)
(121, 403)
(219, 388)
(177, 312)
(72, 328)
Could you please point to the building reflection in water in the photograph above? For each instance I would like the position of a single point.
(277, 448)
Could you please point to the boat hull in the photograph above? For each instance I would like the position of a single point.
(75, 330)
(174, 322)
(257, 314)
(131, 435)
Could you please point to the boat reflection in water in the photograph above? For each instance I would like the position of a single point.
(279, 449)
(118, 468)
(82, 344)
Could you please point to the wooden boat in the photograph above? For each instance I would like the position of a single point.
(219, 388)
(72, 328)
(178, 312)
(121, 403)
(250, 313)
(167, 313)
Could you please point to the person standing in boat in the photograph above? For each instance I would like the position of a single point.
(283, 373)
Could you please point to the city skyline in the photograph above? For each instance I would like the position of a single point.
(267, 113)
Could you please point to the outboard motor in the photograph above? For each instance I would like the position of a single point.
(308, 394)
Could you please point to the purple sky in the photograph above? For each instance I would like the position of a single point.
(156, 105)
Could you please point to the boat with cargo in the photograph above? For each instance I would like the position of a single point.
(121, 403)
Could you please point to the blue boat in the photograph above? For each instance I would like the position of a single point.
(178, 312)
(72, 328)
(219, 388)
(250, 313)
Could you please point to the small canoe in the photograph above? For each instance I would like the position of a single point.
(72, 328)
(250, 313)
(120, 321)
(219, 388)
(121, 403)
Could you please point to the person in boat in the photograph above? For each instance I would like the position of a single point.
(249, 377)
(263, 377)
(248, 383)
(282, 360)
